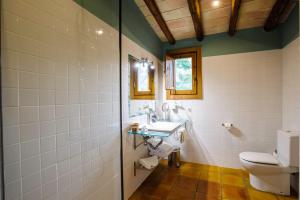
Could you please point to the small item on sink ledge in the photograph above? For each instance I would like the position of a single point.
(135, 127)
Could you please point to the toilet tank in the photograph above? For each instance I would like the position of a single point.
(288, 148)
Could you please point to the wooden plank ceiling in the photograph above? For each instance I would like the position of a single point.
(215, 19)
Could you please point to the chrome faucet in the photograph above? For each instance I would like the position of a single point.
(148, 118)
(151, 117)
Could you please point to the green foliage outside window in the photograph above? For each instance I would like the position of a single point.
(183, 70)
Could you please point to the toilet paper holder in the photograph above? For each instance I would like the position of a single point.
(227, 125)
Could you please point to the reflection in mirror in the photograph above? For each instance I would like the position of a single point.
(142, 78)
(140, 107)
(141, 81)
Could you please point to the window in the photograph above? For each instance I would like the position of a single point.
(141, 79)
(183, 74)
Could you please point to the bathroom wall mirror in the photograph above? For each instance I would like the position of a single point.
(141, 84)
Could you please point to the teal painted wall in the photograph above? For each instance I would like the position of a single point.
(247, 40)
(137, 28)
(134, 24)
(107, 10)
(290, 28)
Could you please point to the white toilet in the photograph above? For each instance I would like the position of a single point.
(271, 173)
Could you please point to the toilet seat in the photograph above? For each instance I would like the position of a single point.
(265, 174)
(260, 158)
(272, 172)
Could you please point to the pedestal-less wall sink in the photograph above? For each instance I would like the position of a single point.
(169, 127)
(157, 129)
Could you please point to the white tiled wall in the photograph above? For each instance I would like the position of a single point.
(60, 102)
(244, 89)
(291, 86)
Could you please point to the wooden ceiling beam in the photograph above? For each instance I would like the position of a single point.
(279, 12)
(236, 4)
(152, 6)
(195, 10)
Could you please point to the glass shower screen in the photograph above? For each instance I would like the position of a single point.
(61, 99)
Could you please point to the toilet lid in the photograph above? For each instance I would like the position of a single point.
(263, 158)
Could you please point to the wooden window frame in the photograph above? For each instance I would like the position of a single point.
(196, 92)
(134, 93)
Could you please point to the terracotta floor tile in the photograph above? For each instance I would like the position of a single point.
(202, 182)
(247, 183)
(286, 197)
(160, 191)
(258, 195)
(186, 183)
(172, 171)
(178, 193)
(214, 169)
(235, 198)
(234, 180)
(233, 192)
(191, 174)
(189, 164)
(169, 179)
(152, 182)
(145, 197)
(245, 173)
(190, 171)
(210, 189)
(231, 171)
(211, 167)
(138, 195)
(210, 176)
(206, 197)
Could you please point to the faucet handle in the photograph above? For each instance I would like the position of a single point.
(154, 117)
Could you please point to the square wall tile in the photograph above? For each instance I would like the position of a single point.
(50, 92)
(30, 149)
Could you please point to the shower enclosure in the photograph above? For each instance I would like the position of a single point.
(60, 83)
